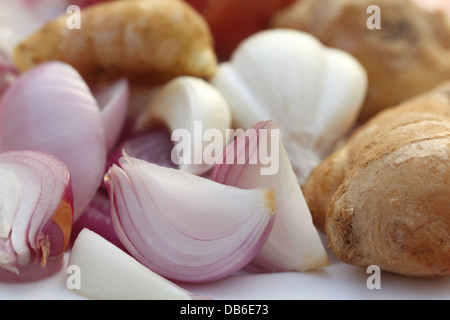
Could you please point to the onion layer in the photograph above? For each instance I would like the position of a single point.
(185, 227)
(51, 109)
(123, 278)
(36, 215)
(154, 146)
(113, 102)
(294, 243)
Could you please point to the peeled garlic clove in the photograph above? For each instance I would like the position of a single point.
(51, 109)
(99, 270)
(190, 107)
(19, 19)
(185, 227)
(148, 41)
(293, 243)
(36, 215)
(313, 92)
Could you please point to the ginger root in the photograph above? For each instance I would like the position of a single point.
(147, 41)
(384, 197)
(408, 55)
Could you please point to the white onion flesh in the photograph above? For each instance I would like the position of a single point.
(123, 278)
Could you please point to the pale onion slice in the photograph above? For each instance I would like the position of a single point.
(113, 101)
(294, 243)
(50, 108)
(153, 146)
(189, 105)
(36, 215)
(108, 273)
(185, 227)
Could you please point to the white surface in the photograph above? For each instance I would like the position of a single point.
(337, 281)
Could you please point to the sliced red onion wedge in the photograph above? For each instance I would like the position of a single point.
(106, 272)
(185, 227)
(154, 146)
(36, 215)
(113, 102)
(50, 108)
(294, 243)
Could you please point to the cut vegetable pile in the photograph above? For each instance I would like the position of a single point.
(155, 148)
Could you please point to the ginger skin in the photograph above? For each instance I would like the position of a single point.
(384, 197)
(148, 41)
(407, 56)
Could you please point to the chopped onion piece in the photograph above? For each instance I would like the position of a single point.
(51, 109)
(113, 102)
(294, 243)
(36, 215)
(154, 146)
(106, 272)
(185, 227)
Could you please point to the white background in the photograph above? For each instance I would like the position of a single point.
(337, 281)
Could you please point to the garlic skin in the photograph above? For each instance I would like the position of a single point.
(123, 278)
(194, 105)
(313, 92)
(185, 227)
